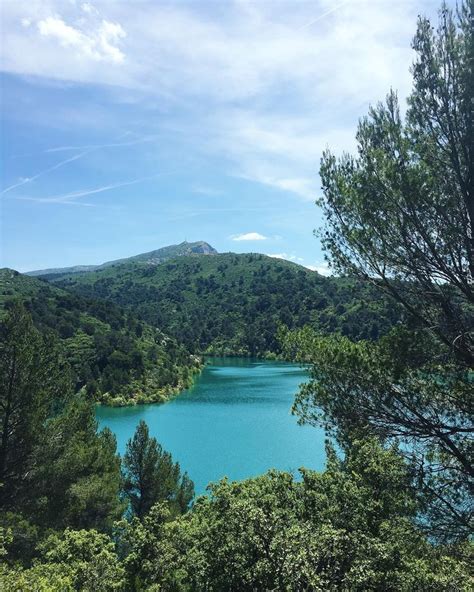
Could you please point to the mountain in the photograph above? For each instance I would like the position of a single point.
(151, 258)
(117, 358)
(234, 303)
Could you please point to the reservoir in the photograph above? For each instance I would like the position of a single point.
(235, 421)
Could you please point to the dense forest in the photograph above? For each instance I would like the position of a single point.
(233, 304)
(393, 509)
(116, 358)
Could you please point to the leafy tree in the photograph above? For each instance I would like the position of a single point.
(83, 560)
(151, 476)
(40, 578)
(90, 557)
(400, 215)
(349, 528)
(148, 551)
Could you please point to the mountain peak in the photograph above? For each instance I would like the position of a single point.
(150, 258)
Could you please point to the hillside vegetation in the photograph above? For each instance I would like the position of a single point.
(234, 304)
(115, 357)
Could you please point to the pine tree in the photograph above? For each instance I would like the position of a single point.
(150, 475)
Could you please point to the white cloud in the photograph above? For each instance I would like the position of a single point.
(100, 44)
(303, 188)
(88, 8)
(321, 268)
(283, 256)
(249, 236)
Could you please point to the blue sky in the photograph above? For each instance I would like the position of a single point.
(127, 126)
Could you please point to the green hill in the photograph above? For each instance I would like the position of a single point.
(151, 258)
(115, 357)
(233, 304)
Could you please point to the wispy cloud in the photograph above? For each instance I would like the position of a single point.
(249, 236)
(324, 15)
(204, 190)
(101, 146)
(87, 147)
(267, 86)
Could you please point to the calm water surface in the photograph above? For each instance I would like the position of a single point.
(235, 422)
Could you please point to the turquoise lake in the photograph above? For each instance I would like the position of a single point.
(235, 421)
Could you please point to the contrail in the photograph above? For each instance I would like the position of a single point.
(85, 150)
(321, 16)
(68, 198)
(48, 170)
(98, 146)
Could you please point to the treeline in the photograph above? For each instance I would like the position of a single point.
(233, 304)
(115, 357)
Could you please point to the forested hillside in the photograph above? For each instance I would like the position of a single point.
(114, 356)
(234, 304)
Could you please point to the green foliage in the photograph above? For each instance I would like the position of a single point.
(90, 558)
(57, 471)
(33, 381)
(20, 537)
(82, 467)
(150, 476)
(401, 215)
(232, 304)
(116, 358)
(149, 554)
(83, 560)
(349, 528)
(40, 578)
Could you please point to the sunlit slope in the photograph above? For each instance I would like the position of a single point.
(233, 303)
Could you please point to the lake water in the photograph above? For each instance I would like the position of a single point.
(235, 421)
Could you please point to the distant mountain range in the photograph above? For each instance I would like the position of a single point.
(151, 258)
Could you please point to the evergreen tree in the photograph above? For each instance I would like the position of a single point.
(56, 470)
(77, 471)
(400, 215)
(151, 476)
(34, 381)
